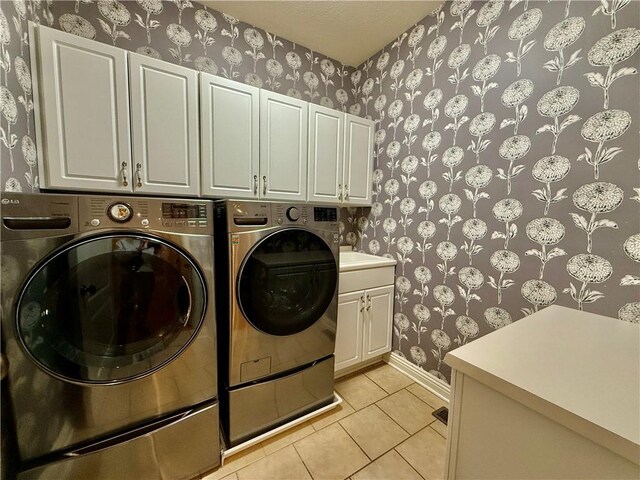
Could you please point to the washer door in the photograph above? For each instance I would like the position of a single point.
(287, 282)
(111, 308)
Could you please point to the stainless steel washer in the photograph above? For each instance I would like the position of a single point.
(277, 275)
(109, 327)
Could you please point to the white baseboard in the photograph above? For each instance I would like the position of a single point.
(428, 381)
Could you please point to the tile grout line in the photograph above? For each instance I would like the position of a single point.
(300, 457)
(390, 393)
(426, 403)
(409, 463)
(354, 441)
(408, 433)
(436, 430)
(386, 451)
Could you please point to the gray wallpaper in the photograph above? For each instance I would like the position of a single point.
(507, 163)
(178, 31)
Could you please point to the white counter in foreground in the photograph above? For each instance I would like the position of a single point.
(554, 395)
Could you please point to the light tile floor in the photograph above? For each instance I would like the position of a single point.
(383, 429)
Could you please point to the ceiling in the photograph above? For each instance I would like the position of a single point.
(348, 31)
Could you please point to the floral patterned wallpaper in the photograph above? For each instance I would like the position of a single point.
(178, 31)
(507, 174)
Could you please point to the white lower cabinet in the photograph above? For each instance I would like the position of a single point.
(364, 326)
(349, 332)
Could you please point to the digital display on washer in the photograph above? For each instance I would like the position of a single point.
(183, 210)
(325, 214)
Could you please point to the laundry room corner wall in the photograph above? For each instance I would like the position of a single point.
(507, 168)
(180, 32)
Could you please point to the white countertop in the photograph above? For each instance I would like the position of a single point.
(357, 261)
(580, 369)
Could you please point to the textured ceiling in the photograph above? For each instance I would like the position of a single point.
(349, 31)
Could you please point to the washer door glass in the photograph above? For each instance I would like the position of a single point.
(111, 308)
(287, 282)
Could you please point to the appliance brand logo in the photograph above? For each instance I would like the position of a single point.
(7, 201)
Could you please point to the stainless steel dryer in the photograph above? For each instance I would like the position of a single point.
(109, 328)
(277, 278)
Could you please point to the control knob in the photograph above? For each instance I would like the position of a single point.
(120, 212)
(293, 214)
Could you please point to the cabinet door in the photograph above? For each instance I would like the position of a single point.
(349, 331)
(84, 113)
(326, 149)
(283, 147)
(358, 160)
(229, 115)
(378, 321)
(164, 127)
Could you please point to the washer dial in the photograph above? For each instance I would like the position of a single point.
(120, 212)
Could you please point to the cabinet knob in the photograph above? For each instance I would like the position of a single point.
(255, 184)
(346, 192)
(139, 174)
(362, 304)
(340, 190)
(368, 302)
(125, 182)
(264, 185)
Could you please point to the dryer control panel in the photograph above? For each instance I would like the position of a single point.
(244, 216)
(287, 214)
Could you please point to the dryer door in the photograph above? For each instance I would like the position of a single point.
(287, 282)
(110, 308)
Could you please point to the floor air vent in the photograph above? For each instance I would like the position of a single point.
(442, 414)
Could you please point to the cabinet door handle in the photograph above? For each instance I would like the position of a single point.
(255, 184)
(139, 174)
(361, 299)
(346, 192)
(125, 182)
(340, 190)
(368, 303)
(264, 184)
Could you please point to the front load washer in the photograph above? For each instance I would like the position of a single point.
(108, 324)
(277, 278)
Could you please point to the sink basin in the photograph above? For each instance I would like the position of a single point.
(356, 261)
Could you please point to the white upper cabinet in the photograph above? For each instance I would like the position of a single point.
(283, 147)
(164, 127)
(84, 113)
(230, 122)
(326, 148)
(358, 160)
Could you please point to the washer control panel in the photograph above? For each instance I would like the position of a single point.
(182, 216)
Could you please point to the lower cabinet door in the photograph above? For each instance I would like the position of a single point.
(377, 321)
(349, 332)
